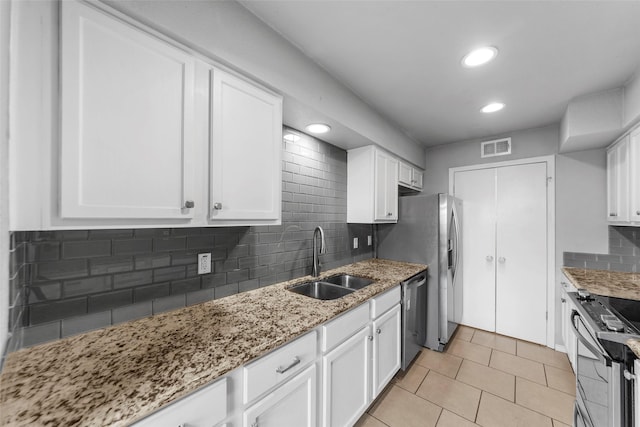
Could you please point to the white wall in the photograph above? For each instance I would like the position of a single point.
(524, 144)
(5, 9)
(229, 33)
(580, 187)
(631, 101)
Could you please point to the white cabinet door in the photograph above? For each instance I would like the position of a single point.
(292, 404)
(570, 340)
(405, 173)
(386, 349)
(386, 187)
(204, 408)
(477, 191)
(246, 152)
(127, 99)
(346, 380)
(634, 171)
(618, 181)
(521, 252)
(418, 177)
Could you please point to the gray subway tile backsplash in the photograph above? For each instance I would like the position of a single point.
(70, 281)
(623, 256)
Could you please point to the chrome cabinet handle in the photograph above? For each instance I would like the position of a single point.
(613, 214)
(254, 424)
(489, 258)
(629, 376)
(563, 300)
(501, 260)
(378, 331)
(282, 370)
(370, 337)
(637, 212)
(217, 206)
(389, 214)
(189, 204)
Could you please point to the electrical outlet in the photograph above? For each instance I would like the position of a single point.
(355, 243)
(204, 263)
(369, 241)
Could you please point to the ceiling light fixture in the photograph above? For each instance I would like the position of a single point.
(318, 128)
(493, 107)
(479, 56)
(290, 137)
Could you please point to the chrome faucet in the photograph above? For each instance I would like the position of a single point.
(315, 272)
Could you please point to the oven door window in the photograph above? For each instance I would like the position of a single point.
(593, 378)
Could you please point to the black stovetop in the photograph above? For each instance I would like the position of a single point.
(626, 309)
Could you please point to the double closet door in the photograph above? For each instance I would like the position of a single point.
(505, 249)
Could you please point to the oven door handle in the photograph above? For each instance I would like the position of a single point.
(593, 349)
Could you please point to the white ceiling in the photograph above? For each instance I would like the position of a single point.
(403, 57)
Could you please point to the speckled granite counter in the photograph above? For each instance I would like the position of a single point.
(608, 283)
(116, 375)
(604, 282)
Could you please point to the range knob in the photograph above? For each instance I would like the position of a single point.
(584, 295)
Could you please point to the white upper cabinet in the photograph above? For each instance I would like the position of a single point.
(634, 174)
(246, 152)
(372, 186)
(618, 181)
(126, 148)
(410, 177)
(150, 133)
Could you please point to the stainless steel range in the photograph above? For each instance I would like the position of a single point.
(604, 389)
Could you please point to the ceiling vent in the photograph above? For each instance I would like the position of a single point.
(497, 147)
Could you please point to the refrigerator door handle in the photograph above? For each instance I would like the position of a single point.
(454, 216)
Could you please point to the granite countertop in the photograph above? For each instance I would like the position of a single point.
(610, 284)
(604, 282)
(116, 375)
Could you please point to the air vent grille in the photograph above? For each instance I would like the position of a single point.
(497, 147)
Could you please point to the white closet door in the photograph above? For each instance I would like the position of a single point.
(476, 189)
(521, 273)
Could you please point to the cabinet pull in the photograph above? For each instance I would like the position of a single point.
(613, 214)
(563, 300)
(501, 260)
(189, 204)
(389, 214)
(217, 206)
(282, 370)
(489, 258)
(637, 212)
(378, 331)
(254, 424)
(370, 337)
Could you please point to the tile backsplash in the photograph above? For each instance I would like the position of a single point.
(66, 282)
(624, 253)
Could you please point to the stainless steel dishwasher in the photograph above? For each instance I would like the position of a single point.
(414, 306)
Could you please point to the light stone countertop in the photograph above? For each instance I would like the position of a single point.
(610, 284)
(117, 375)
(604, 282)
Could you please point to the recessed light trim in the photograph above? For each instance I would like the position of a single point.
(493, 107)
(318, 128)
(479, 56)
(291, 137)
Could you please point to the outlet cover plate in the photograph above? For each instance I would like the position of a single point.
(204, 263)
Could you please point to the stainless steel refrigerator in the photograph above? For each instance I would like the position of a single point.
(428, 232)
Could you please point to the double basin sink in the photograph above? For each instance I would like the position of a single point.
(331, 287)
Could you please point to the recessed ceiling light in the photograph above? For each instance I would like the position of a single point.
(479, 56)
(290, 137)
(493, 107)
(318, 128)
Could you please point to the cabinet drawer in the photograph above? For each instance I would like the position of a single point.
(384, 302)
(203, 408)
(337, 330)
(270, 370)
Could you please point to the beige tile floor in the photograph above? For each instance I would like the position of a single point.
(482, 379)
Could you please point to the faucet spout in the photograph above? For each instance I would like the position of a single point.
(315, 272)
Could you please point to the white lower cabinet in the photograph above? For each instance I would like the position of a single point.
(292, 404)
(568, 336)
(204, 408)
(328, 376)
(386, 349)
(636, 392)
(346, 380)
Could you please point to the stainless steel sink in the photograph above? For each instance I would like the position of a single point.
(321, 290)
(348, 281)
